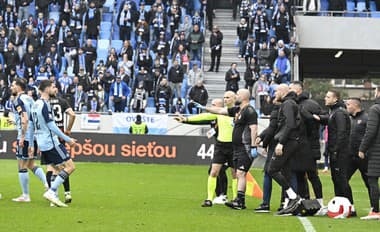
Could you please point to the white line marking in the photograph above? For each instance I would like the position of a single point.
(307, 224)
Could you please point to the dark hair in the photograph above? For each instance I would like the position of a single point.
(299, 83)
(138, 118)
(44, 84)
(21, 83)
(336, 93)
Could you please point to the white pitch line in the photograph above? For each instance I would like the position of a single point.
(307, 224)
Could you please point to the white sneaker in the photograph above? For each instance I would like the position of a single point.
(1, 196)
(22, 198)
(50, 196)
(220, 200)
(52, 204)
(322, 211)
(371, 216)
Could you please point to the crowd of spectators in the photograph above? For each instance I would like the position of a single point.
(156, 63)
(266, 46)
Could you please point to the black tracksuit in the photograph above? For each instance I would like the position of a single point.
(358, 127)
(287, 134)
(339, 127)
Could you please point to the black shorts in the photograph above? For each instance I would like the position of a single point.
(242, 158)
(22, 152)
(223, 154)
(56, 156)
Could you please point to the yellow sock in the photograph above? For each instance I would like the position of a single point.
(211, 185)
(234, 188)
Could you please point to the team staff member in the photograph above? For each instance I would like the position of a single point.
(359, 120)
(370, 149)
(310, 152)
(138, 127)
(223, 147)
(339, 127)
(60, 108)
(243, 141)
(287, 138)
(267, 138)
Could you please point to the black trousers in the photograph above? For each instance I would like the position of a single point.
(215, 55)
(280, 163)
(125, 33)
(339, 164)
(235, 5)
(374, 192)
(302, 185)
(362, 166)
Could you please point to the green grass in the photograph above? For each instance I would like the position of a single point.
(137, 197)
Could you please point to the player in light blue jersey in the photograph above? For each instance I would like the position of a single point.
(42, 125)
(21, 107)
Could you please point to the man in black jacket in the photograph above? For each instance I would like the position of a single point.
(287, 138)
(216, 38)
(370, 147)
(339, 126)
(176, 76)
(91, 56)
(232, 78)
(310, 153)
(359, 120)
(198, 93)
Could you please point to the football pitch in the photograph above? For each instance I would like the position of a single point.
(141, 197)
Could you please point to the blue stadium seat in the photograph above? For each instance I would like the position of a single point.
(150, 110)
(372, 6)
(53, 8)
(150, 102)
(105, 26)
(350, 6)
(107, 17)
(54, 15)
(104, 34)
(115, 33)
(104, 44)
(102, 54)
(324, 5)
(361, 6)
(117, 44)
(108, 6)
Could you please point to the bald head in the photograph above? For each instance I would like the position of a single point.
(281, 91)
(243, 94)
(217, 102)
(296, 87)
(229, 98)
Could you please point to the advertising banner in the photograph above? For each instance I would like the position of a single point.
(157, 124)
(96, 147)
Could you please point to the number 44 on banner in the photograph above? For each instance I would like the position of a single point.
(202, 151)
